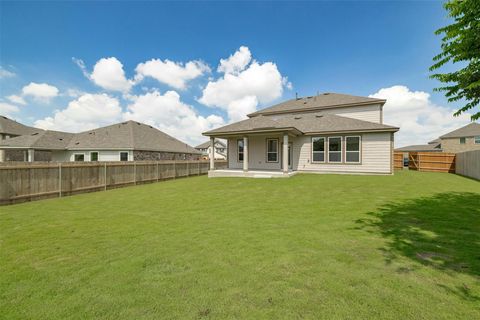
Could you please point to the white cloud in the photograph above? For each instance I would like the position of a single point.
(16, 99)
(236, 62)
(420, 120)
(235, 90)
(87, 112)
(169, 114)
(40, 91)
(7, 109)
(174, 74)
(108, 73)
(6, 74)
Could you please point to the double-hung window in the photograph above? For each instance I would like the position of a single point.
(79, 157)
(463, 140)
(123, 156)
(335, 149)
(477, 140)
(352, 149)
(318, 149)
(240, 150)
(272, 150)
(94, 156)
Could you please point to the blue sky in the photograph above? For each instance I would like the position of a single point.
(361, 48)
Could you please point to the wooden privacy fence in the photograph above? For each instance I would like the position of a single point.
(468, 164)
(398, 160)
(33, 181)
(432, 161)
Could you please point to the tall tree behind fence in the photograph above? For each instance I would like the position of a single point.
(468, 164)
(33, 181)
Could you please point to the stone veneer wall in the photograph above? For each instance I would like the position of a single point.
(156, 156)
(19, 155)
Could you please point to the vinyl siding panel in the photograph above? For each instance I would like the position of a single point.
(375, 156)
(257, 153)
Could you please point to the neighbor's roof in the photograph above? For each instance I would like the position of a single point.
(10, 126)
(319, 102)
(129, 135)
(40, 139)
(305, 123)
(421, 148)
(206, 144)
(470, 130)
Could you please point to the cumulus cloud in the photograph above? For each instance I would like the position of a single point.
(243, 80)
(236, 62)
(420, 120)
(7, 109)
(40, 91)
(6, 74)
(174, 74)
(168, 113)
(107, 73)
(16, 99)
(87, 112)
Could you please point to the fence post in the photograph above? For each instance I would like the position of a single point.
(105, 175)
(174, 169)
(134, 173)
(198, 167)
(60, 180)
(158, 173)
(188, 168)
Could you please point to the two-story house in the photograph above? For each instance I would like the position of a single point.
(220, 151)
(466, 138)
(327, 133)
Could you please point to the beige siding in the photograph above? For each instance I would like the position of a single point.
(371, 113)
(257, 154)
(376, 156)
(453, 145)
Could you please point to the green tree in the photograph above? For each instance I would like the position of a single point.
(461, 44)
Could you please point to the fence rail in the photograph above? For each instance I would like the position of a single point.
(21, 182)
(432, 161)
(468, 164)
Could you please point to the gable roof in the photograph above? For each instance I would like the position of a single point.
(12, 127)
(206, 144)
(130, 135)
(420, 148)
(41, 139)
(319, 102)
(470, 130)
(306, 123)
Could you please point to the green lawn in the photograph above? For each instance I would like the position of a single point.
(312, 246)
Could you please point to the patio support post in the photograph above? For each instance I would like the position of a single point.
(31, 155)
(212, 153)
(285, 153)
(2, 155)
(245, 154)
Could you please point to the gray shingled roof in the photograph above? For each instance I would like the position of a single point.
(206, 144)
(304, 123)
(421, 148)
(322, 101)
(470, 130)
(41, 139)
(12, 127)
(129, 135)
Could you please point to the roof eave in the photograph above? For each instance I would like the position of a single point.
(353, 131)
(232, 133)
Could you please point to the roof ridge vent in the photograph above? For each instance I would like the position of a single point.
(297, 117)
(319, 116)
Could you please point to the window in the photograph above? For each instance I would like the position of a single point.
(272, 150)
(79, 157)
(352, 149)
(94, 156)
(318, 149)
(240, 150)
(462, 140)
(123, 156)
(335, 149)
(477, 140)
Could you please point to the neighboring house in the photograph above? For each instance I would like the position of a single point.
(466, 138)
(10, 129)
(432, 146)
(206, 149)
(328, 133)
(124, 141)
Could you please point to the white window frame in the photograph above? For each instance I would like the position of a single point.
(98, 155)
(341, 149)
(359, 149)
(78, 154)
(120, 155)
(476, 140)
(324, 150)
(277, 152)
(238, 150)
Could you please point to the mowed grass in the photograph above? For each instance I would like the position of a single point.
(310, 247)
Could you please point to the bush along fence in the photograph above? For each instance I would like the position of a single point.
(20, 182)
